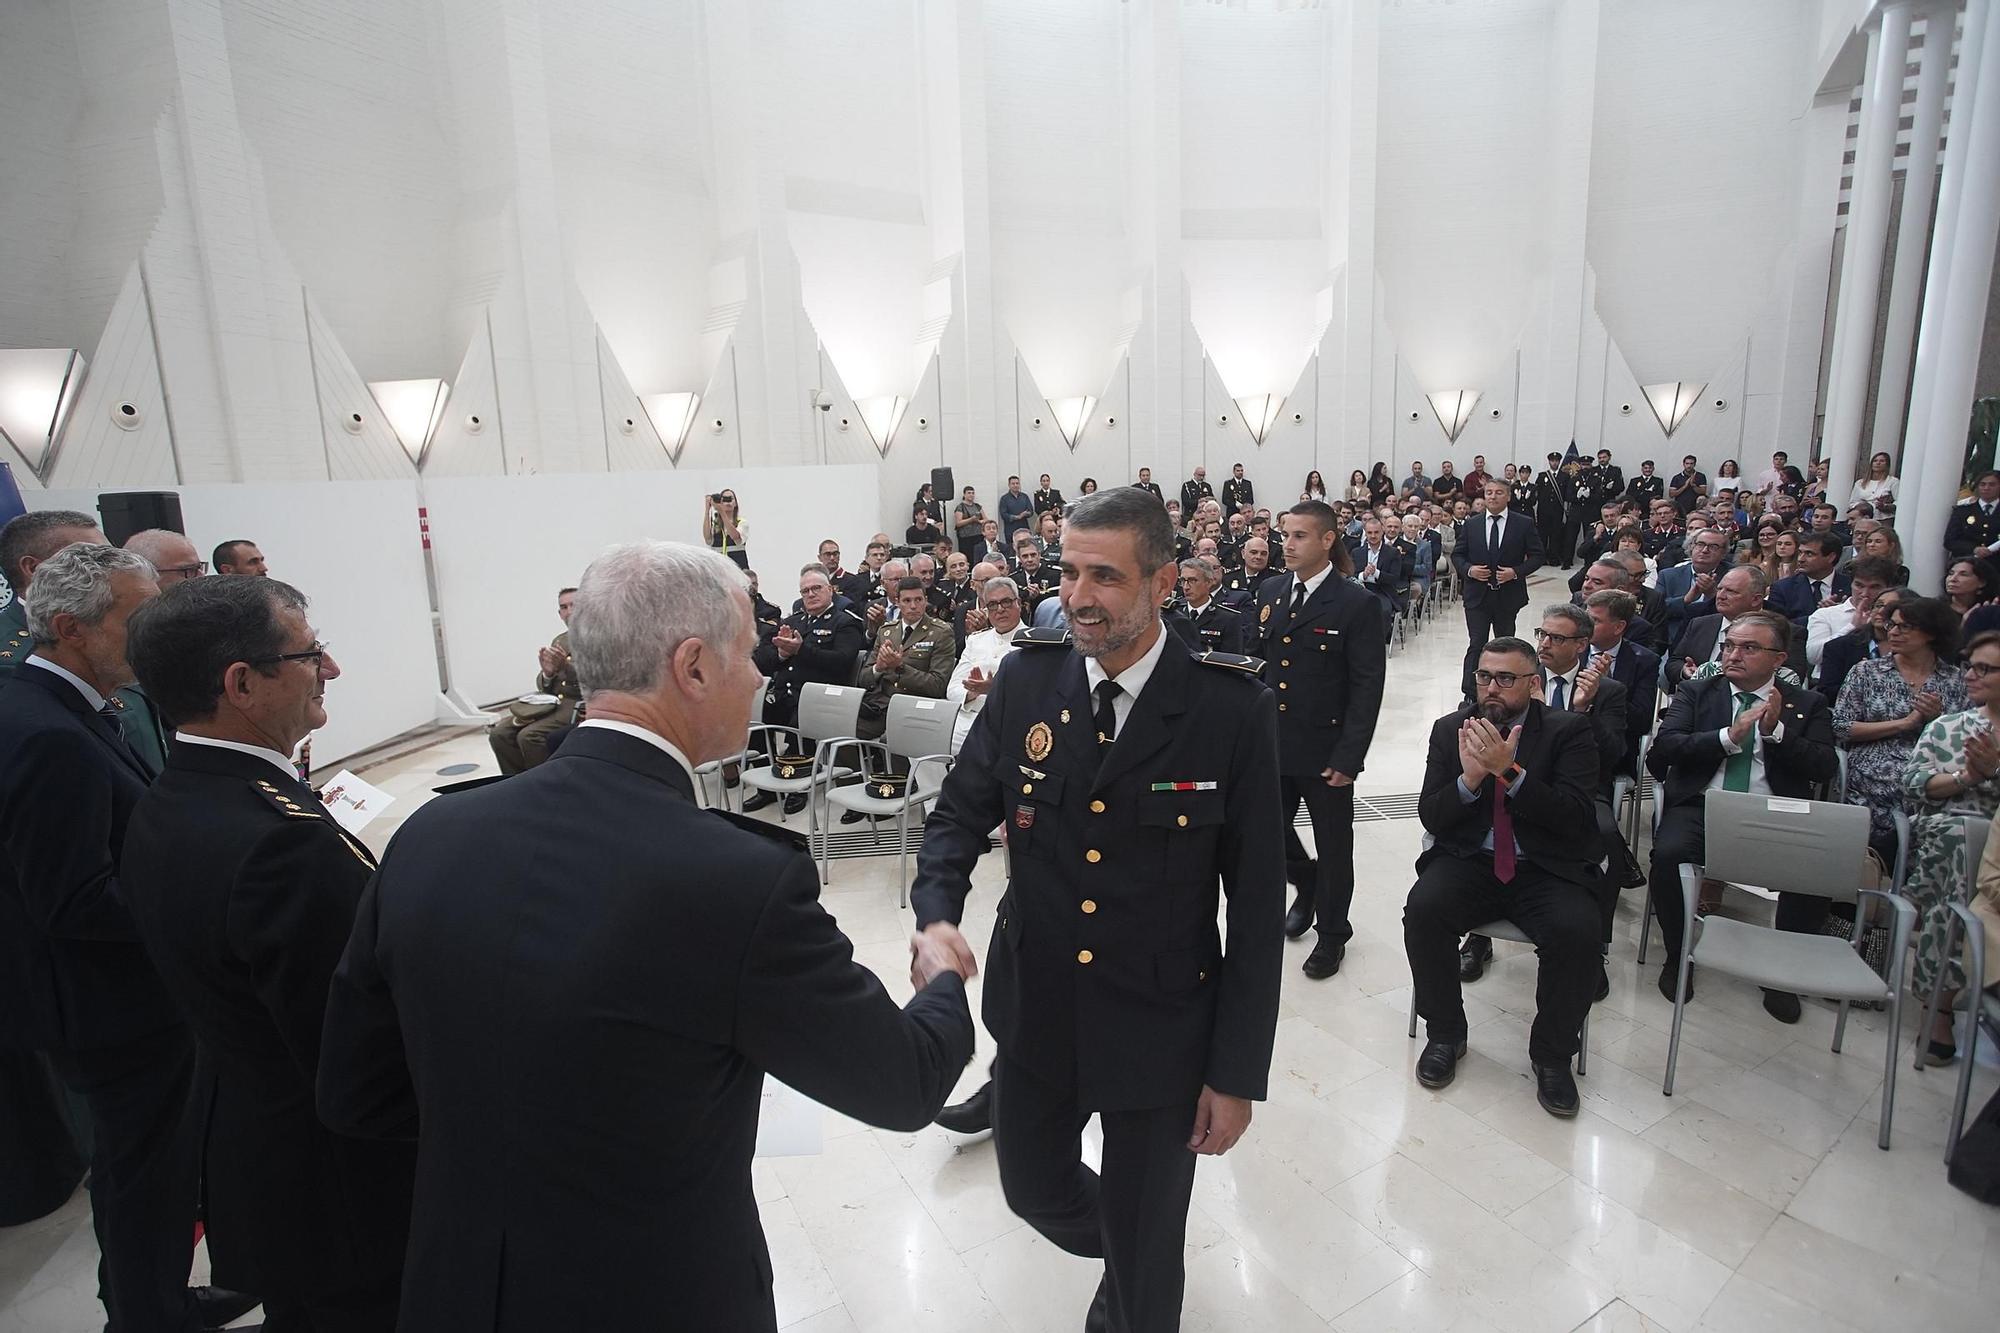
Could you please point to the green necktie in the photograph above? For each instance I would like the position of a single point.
(1736, 774)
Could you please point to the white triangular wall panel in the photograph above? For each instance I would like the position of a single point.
(369, 452)
(470, 440)
(840, 433)
(631, 441)
(1222, 441)
(1278, 467)
(93, 450)
(706, 446)
(914, 452)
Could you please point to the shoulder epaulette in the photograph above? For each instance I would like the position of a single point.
(770, 832)
(283, 801)
(1249, 666)
(1223, 606)
(847, 611)
(1042, 638)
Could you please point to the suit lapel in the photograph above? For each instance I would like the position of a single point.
(102, 728)
(1075, 723)
(1146, 731)
(1323, 598)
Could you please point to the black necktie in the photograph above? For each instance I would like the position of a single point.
(113, 718)
(1819, 591)
(1298, 597)
(1106, 716)
(1556, 693)
(1493, 535)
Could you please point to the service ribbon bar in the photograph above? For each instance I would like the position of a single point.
(1183, 786)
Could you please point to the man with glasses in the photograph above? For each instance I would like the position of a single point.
(1000, 600)
(1207, 625)
(818, 643)
(1743, 730)
(1688, 590)
(1507, 796)
(1867, 579)
(1737, 593)
(520, 740)
(174, 560)
(244, 889)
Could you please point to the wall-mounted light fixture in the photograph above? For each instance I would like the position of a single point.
(1454, 409)
(1072, 415)
(1260, 413)
(1672, 402)
(880, 416)
(38, 386)
(672, 415)
(413, 409)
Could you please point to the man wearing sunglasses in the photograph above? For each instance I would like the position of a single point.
(1743, 730)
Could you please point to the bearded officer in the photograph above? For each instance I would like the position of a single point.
(1134, 779)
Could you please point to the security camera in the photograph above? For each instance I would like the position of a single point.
(844, 423)
(126, 416)
(1494, 413)
(1298, 418)
(1416, 416)
(473, 425)
(628, 425)
(1721, 404)
(1222, 420)
(825, 407)
(353, 422)
(1624, 409)
(923, 423)
(1035, 424)
(1111, 421)
(716, 425)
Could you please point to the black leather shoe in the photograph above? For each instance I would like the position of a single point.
(218, 1307)
(1669, 971)
(1300, 918)
(795, 803)
(1782, 1005)
(1555, 1089)
(759, 801)
(1099, 1318)
(974, 1115)
(1603, 985)
(852, 817)
(1324, 960)
(1473, 956)
(1438, 1065)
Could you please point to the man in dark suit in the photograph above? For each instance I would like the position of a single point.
(1646, 488)
(1610, 477)
(1633, 665)
(1194, 490)
(1626, 571)
(96, 1003)
(1325, 656)
(1817, 583)
(1383, 568)
(1207, 625)
(1689, 589)
(1508, 788)
(817, 644)
(1974, 527)
(1743, 730)
(1133, 780)
(583, 1041)
(1146, 483)
(1494, 561)
(244, 890)
(1739, 591)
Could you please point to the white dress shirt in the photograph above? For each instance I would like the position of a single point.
(1133, 678)
(90, 695)
(1825, 625)
(278, 761)
(1312, 586)
(1759, 783)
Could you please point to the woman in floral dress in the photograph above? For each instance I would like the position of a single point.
(1954, 771)
(1886, 702)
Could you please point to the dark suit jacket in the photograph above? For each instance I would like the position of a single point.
(1520, 550)
(67, 788)
(1673, 586)
(1609, 712)
(1792, 596)
(1637, 668)
(575, 980)
(1131, 1000)
(1555, 819)
(244, 890)
(1687, 750)
(1326, 666)
(1840, 656)
(1392, 572)
(1969, 529)
(1698, 642)
(1217, 627)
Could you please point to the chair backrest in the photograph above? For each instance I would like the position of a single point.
(1792, 846)
(919, 726)
(1976, 829)
(826, 711)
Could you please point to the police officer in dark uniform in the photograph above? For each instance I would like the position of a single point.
(1974, 527)
(1239, 587)
(244, 890)
(1048, 500)
(1325, 654)
(1204, 623)
(1134, 780)
(819, 643)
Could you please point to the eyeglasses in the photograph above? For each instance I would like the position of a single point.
(315, 654)
(1738, 646)
(994, 602)
(193, 571)
(1506, 680)
(1544, 636)
(1980, 670)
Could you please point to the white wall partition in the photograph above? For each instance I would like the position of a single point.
(504, 545)
(354, 548)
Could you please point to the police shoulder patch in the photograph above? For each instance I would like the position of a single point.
(1042, 638)
(1249, 666)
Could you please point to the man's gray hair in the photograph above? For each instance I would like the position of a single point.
(76, 581)
(637, 604)
(1001, 584)
(816, 570)
(156, 544)
(34, 535)
(1128, 509)
(1578, 618)
(921, 557)
(1754, 575)
(1204, 565)
(889, 579)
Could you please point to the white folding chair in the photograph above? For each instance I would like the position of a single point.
(917, 730)
(1983, 1007)
(827, 713)
(1791, 846)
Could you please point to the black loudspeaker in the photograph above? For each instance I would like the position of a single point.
(127, 512)
(941, 485)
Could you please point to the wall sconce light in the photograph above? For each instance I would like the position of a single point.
(1261, 413)
(38, 386)
(880, 416)
(672, 415)
(1454, 410)
(1072, 415)
(1672, 402)
(413, 409)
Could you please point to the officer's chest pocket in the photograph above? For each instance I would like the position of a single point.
(1034, 808)
(1181, 828)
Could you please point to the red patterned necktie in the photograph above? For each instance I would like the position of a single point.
(1503, 835)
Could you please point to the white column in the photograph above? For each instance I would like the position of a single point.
(1867, 238)
(1968, 163)
(1906, 285)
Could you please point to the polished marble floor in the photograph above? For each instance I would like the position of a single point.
(1753, 1199)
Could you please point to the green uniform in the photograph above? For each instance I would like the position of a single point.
(521, 743)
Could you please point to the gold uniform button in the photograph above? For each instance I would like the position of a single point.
(1027, 788)
(1286, 662)
(1097, 807)
(1281, 708)
(1288, 638)
(1093, 856)
(1181, 820)
(1089, 906)
(1283, 685)
(1084, 956)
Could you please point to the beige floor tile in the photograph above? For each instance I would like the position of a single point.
(1665, 1279)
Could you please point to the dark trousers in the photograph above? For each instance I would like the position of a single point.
(1487, 619)
(1549, 525)
(362, 1310)
(1680, 839)
(1331, 810)
(1134, 1216)
(143, 1175)
(1453, 894)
